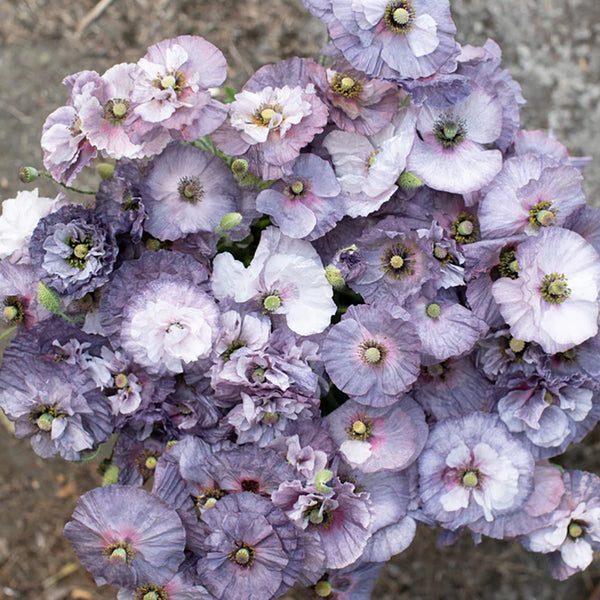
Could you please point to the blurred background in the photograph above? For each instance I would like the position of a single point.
(552, 48)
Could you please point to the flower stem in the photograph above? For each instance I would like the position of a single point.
(67, 187)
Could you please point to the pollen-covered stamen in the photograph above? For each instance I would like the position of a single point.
(119, 553)
(360, 429)
(554, 288)
(243, 555)
(151, 592)
(323, 589)
(116, 110)
(344, 85)
(433, 310)
(13, 311)
(372, 353)
(576, 529)
(508, 265)
(190, 189)
(146, 462)
(81, 250)
(450, 131)
(542, 215)
(397, 261)
(268, 116)
(235, 345)
(465, 228)
(399, 16)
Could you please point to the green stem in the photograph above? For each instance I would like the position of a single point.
(7, 332)
(67, 187)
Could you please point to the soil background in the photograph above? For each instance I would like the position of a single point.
(552, 48)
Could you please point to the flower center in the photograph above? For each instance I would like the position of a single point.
(190, 189)
(508, 265)
(433, 310)
(151, 592)
(243, 555)
(470, 479)
(517, 346)
(270, 418)
(121, 381)
(540, 215)
(372, 353)
(323, 589)
(208, 498)
(576, 529)
(43, 417)
(399, 16)
(115, 110)
(344, 85)
(13, 311)
(235, 345)
(397, 261)
(146, 462)
(44, 422)
(175, 81)
(119, 553)
(297, 189)
(267, 113)
(465, 228)
(251, 485)
(450, 131)
(168, 82)
(81, 250)
(360, 429)
(271, 301)
(554, 288)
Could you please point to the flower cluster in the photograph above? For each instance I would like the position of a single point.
(353, 298)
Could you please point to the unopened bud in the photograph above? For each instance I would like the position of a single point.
(49, 299)
(28, 174)
(409, 181)
(111, 475)
(334, 276)
(230, 221)
(105, 170)
(323, 589)
(239, 167)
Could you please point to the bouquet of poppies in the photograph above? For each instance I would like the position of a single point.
(304, 316)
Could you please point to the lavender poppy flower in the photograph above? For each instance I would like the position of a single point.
(574, 532)
(126, 536)
(339, 515)
(187, 190)
(446, 329)
(59, 409)
(308, 202)
(368, 167)
(20, 216)
(285, 277)
(18, 296)
(554, 301)
(169, 322)
(391, 40)
(106, 115)
(269, 122)
(398, 263)
(548, 414)
(119, 200)
(371, 356)
(529, 193)
(253, 550)
(453, 388)
(352, 583)
(357, 104)
(261, 418)
(171, 88)
(472, 468)
(178, 588)
(450, 154)
(74, 251)
(377, 439)
(66, 148)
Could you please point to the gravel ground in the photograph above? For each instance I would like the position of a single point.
(550, 47)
